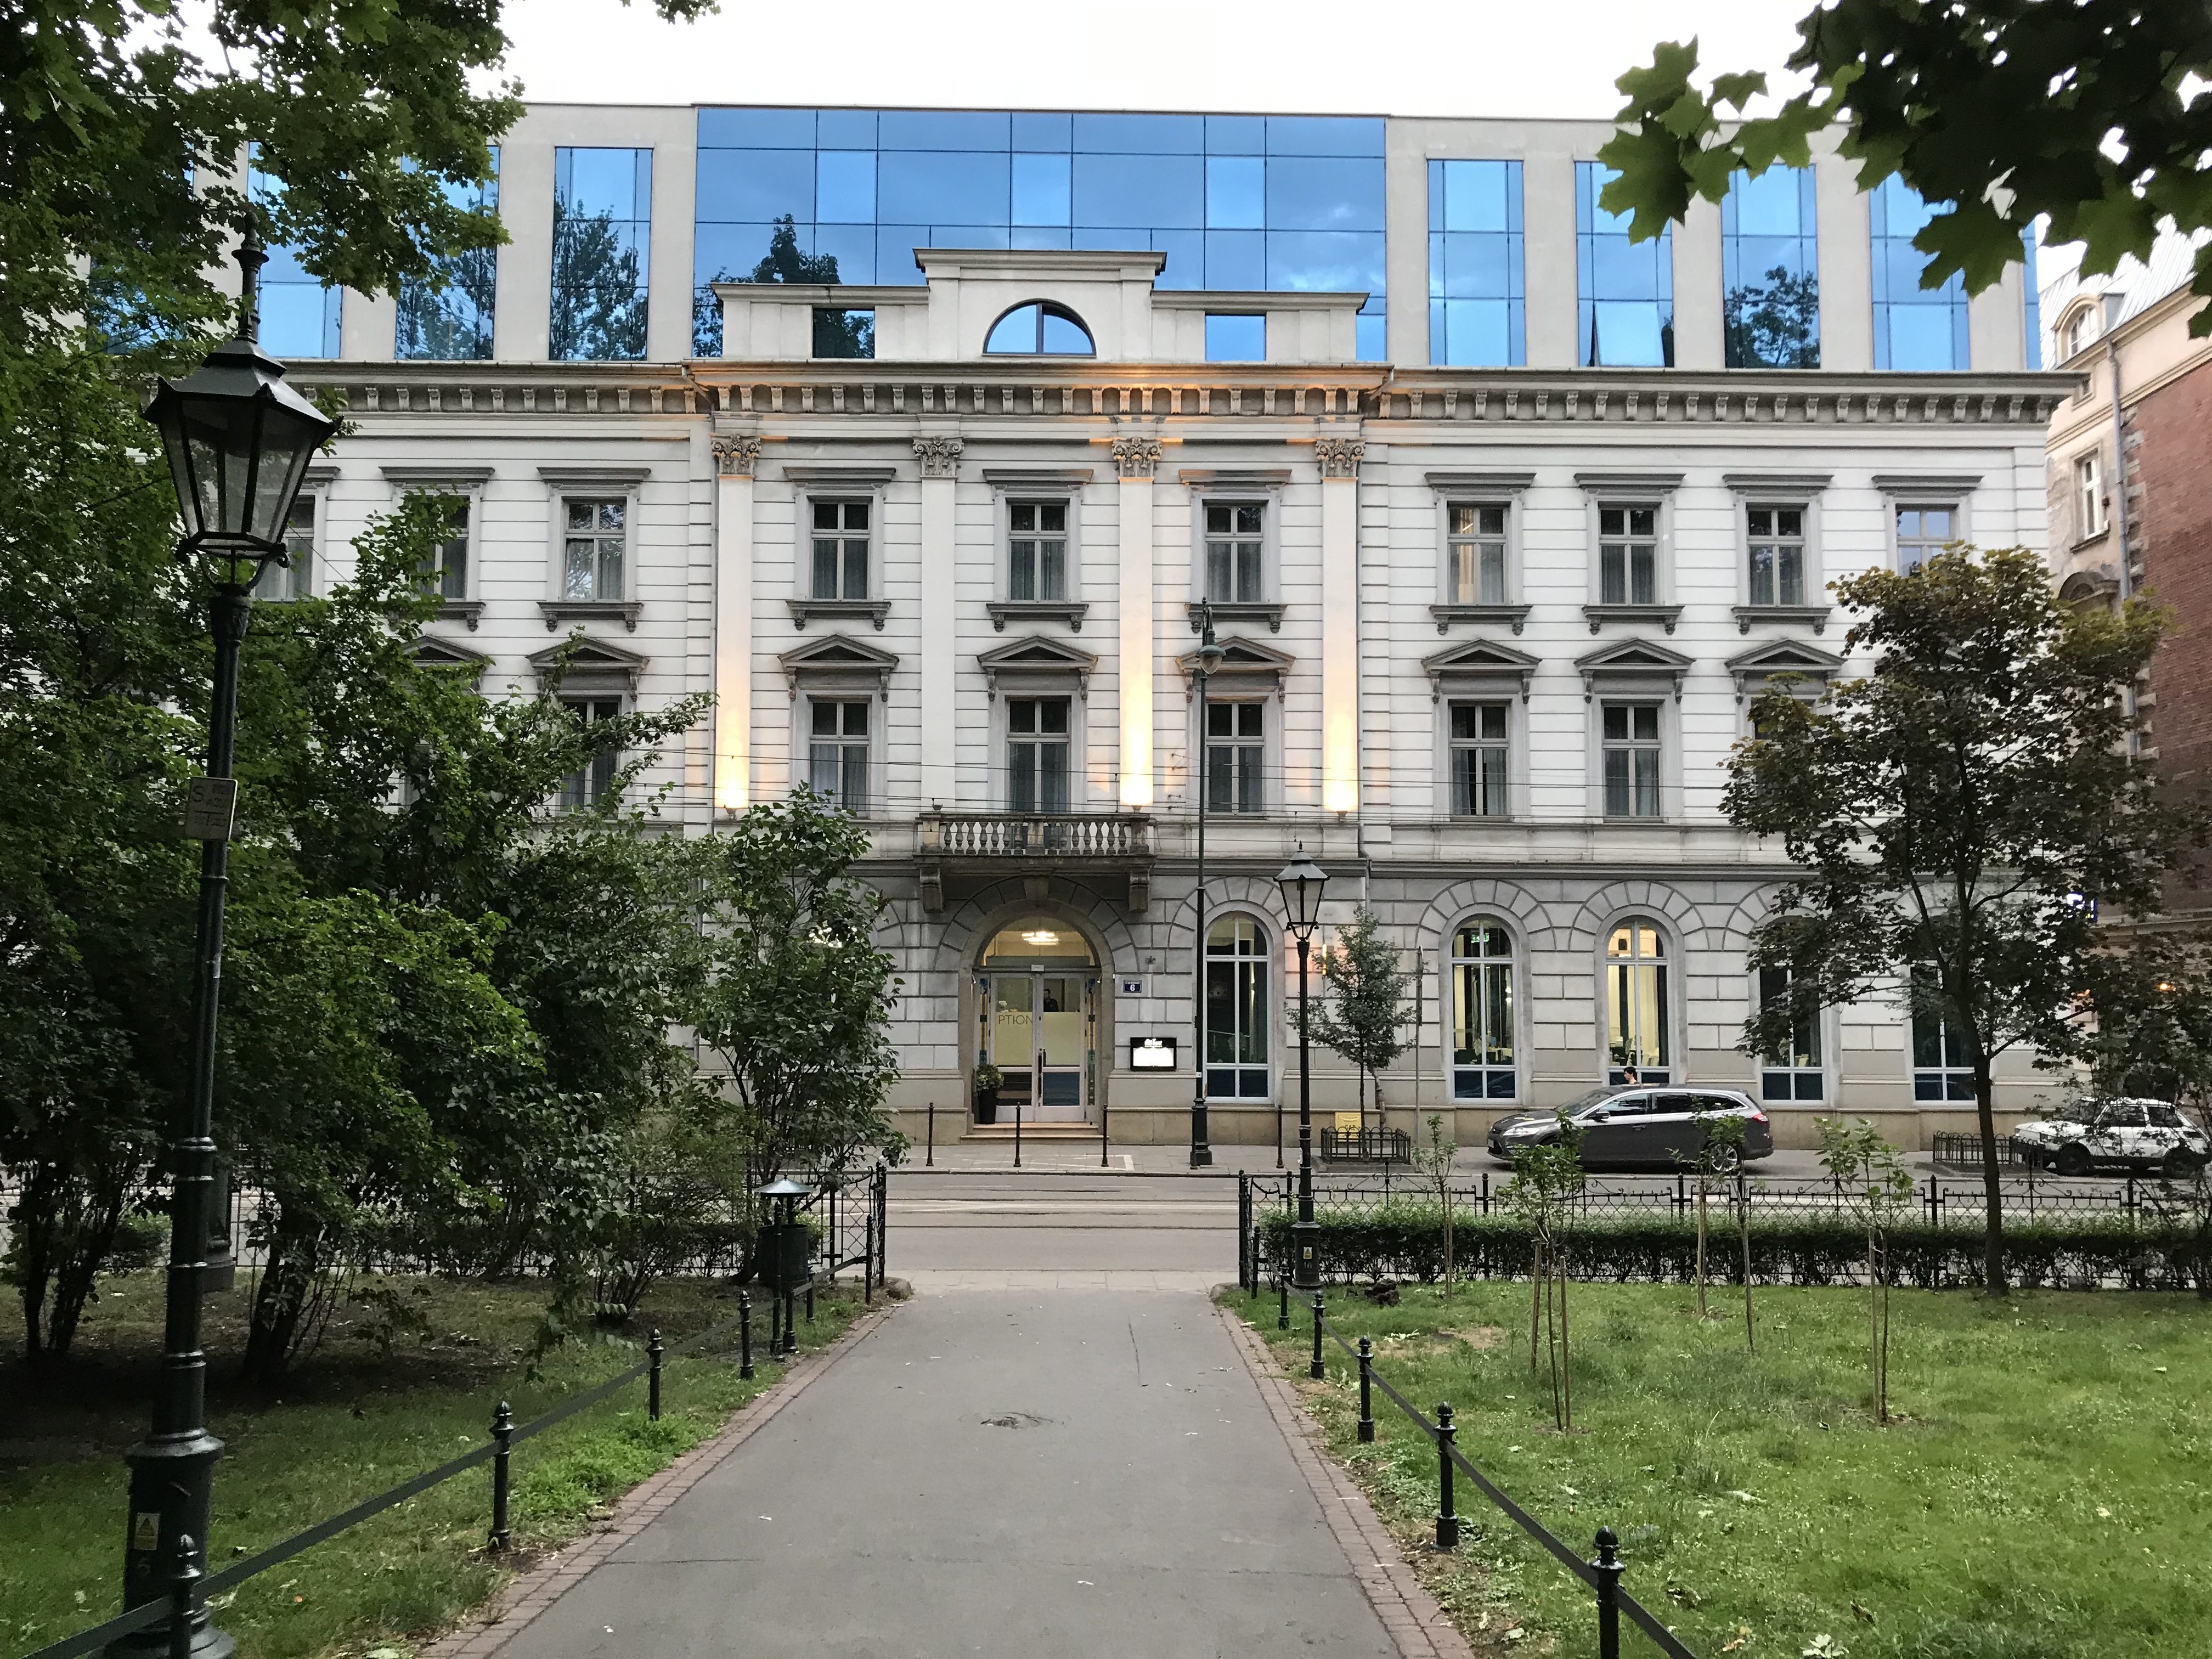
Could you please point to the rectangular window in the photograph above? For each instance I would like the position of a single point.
(294, 580)
(1941, 1068)
(1777, 553)
(1479, 752)
(1631, 759)
(1914, 327)
(1476, 549)
(1794, 1072)
(1233, 542)
(1626, 289)
(1036, 754)
(1037, 550)
(1923, 533)
(1477, 301)
(602, 235)
(1235, 747)
(1771, 270)
(588, 784)
(841, 549)
(1236, 337)
(446, 317)
(298, 313)
(2089, 493)
(837, 752)
(447, 573)
(595, 533)
(844, 334)
(1628, 554)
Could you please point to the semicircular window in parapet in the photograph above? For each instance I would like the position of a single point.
(1040, 329)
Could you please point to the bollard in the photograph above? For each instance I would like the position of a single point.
(744, 1336)
(184, 1591)
(929, 1159)
(1366, 1402)
(809, 1298)
(1447, 1520)
(1315, 1368)
(502, 1436)
(1245, 1233)
(1609, 1570)
(653, 1351)
(1283, 1312)
(1017, 1134)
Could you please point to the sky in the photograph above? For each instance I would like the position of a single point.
(1500, 58)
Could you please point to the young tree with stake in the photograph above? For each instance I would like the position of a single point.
(1878, 1189)
(1363, 987)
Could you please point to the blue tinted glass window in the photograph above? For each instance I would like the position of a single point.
(942, 129)
(1041, 190)
(1914, 327)
(1324, 134)
(1236, 258)
(1042, 236)
(1038, 327)
(1771, 270)
(2033, 321)
(1477, 315)
(757, 129)
(752, 184)
(1185, 252)
(1042, 130)
(448, 318)
(1164, 190)
(300, 316)
(1342, 262)
(1235, 339)
(1152, 135)
(942, 186)
(1236, 135)
(845, 129)
(1373, 341)
(1331, 193)
(1624, 289)
(1236, 192)
(845, 188)
(853, 248)
(895, 246)
(602, 233)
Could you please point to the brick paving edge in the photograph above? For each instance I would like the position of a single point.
(530, 1593)
(1416, 1624)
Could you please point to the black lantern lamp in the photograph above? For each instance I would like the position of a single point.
(1301, 882)
(1208, 665)
(785, 1255)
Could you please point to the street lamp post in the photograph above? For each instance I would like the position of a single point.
(1301, 882)
(239, 441)
(1209, 659)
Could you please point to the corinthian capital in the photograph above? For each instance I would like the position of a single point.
(1137, 458)
(1339, 457)
(939, 457)
(736, 458)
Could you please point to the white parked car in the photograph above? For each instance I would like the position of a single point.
(2138, 1134)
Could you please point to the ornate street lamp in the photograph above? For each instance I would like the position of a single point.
(1209, 662)
(1301, 882)
(238, 441)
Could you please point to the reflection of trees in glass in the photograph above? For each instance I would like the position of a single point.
(452, 323)
(844, 334)
(1776, 325)
(784, 263)
(598, 290)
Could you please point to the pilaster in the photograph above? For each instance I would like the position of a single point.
(939, 456)
(1136, 460)
(736, 458)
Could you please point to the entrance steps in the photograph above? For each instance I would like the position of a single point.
(1047, 1131)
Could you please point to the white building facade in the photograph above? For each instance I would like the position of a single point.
(1495, 576)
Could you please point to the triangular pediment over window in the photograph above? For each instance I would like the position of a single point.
(1479, 661)
(594, 666)
(431, 652)
(839, 662)
(1632, 665)
(1755, 667)
(1034, 658)
(1243, 662)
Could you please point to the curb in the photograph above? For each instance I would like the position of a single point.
(1416, 1624)
(530, 1593)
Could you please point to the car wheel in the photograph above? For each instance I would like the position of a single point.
(1727, 1160)
(2073, 1159)
(2180, 1164)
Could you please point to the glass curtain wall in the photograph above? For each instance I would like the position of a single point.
(1477, 310)
(1771, 270)
(602, 233)
(1914, 327)
(1624, 289)
(298, 313)
(1235, 202)
(450, 320)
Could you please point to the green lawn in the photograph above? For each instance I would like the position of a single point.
(356, 1422)
(2047, 1495)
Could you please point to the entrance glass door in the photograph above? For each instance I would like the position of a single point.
(1039, 1043)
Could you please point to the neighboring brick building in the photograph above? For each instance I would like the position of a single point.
(2137, 320)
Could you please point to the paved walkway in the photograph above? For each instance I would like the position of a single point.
(1088, 1472)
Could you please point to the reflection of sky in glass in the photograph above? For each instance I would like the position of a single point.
(1914, 327)
(1625, 290)
(602, 218)
(1768, 225)
(454, 323)
(1476, 297)
(299, 317)
(1235, 202)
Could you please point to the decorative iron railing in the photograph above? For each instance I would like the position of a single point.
(1117, 835)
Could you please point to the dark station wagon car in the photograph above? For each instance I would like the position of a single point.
(1638, 1126)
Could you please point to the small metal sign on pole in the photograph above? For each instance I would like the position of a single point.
(210, 805)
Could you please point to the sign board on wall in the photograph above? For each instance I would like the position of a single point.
(1152, 1054)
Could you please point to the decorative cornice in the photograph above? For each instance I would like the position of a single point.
(1339, 457)
(736, 456)
(939, 457)
(1137, 458)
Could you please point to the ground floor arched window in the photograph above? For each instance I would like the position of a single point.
(1482, 1012)
(1237, 1010)
(1636, 1010)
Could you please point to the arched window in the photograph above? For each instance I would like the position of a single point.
(1040, 329)
(1636, 1008)
(1793, 1072)
(1237, 1010)
(1482, 1011)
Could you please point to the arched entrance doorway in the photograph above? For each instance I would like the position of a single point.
(1037, 1010)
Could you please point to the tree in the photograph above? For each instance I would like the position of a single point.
(1363, 978)
(2151, 1007)
(1776, 325)
(1940, 96)
(1546, 1178)
(836, 334)
(1878, 1189)
(1434, 1158)
(1965, 816)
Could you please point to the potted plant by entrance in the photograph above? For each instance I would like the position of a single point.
(987, 1079)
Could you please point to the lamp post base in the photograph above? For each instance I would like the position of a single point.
(1305, 1253)
(172, 1485)
(1201, 1150)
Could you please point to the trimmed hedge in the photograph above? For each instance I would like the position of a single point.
(1404, 1239)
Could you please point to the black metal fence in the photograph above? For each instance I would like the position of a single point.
(1964, 1151)
(1366, 1146)
(1603, 1575)
(853, 1213)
